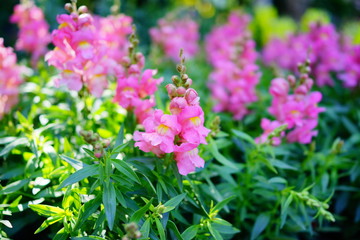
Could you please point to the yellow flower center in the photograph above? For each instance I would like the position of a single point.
(196, 121)
(162, 129)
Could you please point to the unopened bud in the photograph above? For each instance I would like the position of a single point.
(137, 234)
(106, 143)
(188, 83)
(176, 80)
(83, 9)
(192, 97)
(292, 80)
(301, 90)
(98, 154)
(180, 91)
(68, 7)
(184, 77)
(134, 69)
(181, 68)
(171, 89)
(125, 61)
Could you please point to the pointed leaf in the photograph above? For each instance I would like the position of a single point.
(261, 223)
(172, 203)
(85, 172)
(140, 213)
(190, 232)
(124, 168)
(109, 200)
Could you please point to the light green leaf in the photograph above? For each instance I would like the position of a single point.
(13, 144)
(73, 162)
(214, 232)
(13, 187)
(215, 152)
(145, 228)
(51, 220)
(222, 204)
(46, 210)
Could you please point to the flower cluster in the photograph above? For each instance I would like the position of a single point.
(172, 35)
(96, 142)
(113, 32)
(180, 132)
(322, 45)
(351, 74)
(298, 111)
(79, 53)
(10, 79)
(135, 86)
(33, 34)
(232, 53)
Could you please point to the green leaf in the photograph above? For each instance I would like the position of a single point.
(124, 168)
(140, 213)
(13, 187)
(244, 136)
(46, 210)
(224, 227)
(90, 237)
(7, 223)
(13, 144)
(51, 220)
(73, 162)
(284, 209)
(145, 228)
(61, 235)
(175, 230)
(120, 198)
(86, 210)
(215, 152)
(222, 204)
(85, 172)
(282, 165)
(160, 229)
(214, 232)
(119, 139)
(109, 200)
(261, 223)
(172, 203)
(190, 232)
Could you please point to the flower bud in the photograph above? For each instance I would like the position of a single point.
(171, 89)
(188, 83)
(176, 80)
(184, 77)
(192, 97)
(292, 80)
(180, 68)
(309, 83)
(301, 90)
(279, 87)
(83, 9)
(106, 143)
(97, 154)
(125, 61)
(134, 69)
(68, 7)
(180, 91)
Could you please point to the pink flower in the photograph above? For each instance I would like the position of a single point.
(81, 55)
(172, 35)
(160, 131)
(268, 127)
(231, 51)
(10, 79)
(33, 36)
(188, 161)
(299, 111)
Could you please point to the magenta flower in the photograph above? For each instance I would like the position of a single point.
(33, 36)
(231, 51)
(179, 133)
(160, 131)
(10, 79)
(173, 35)
(268, 127)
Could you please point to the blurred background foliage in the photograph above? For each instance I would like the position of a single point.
(280, 18)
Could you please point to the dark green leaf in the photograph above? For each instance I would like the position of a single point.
(86, 210)
(190, 232)
(124, 168)
(172, 203)
(85, 172)
(109, 200)
(171, 225)
(215, 152)
(145, 228)
(214, 232)
(260, 224)
(160, 229)
(140, 213)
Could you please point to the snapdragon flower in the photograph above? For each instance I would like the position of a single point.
(180, 132)
(33, 36)
(232, 53)
(10, 79)
(171, 35)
